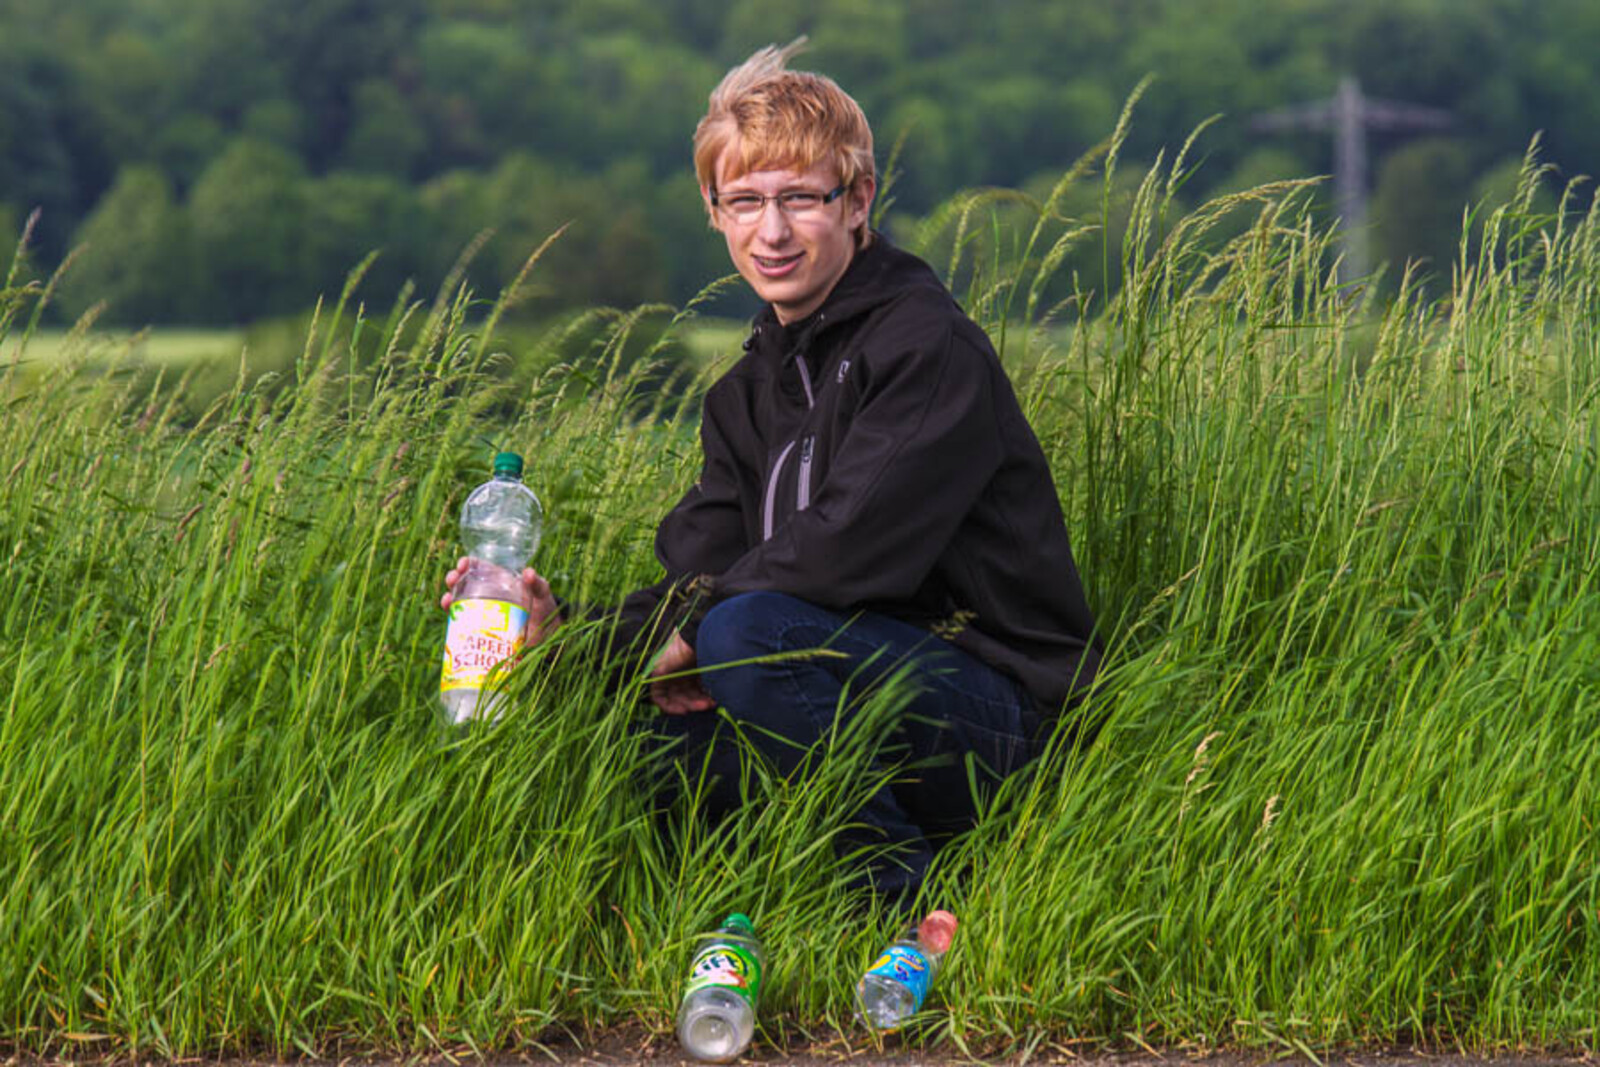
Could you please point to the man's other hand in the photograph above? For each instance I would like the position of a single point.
(678, 696)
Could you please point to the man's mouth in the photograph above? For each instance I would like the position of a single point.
(775, 266)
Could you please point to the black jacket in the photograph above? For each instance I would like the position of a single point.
(874, 455)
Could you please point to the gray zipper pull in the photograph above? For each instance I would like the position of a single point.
(803, 494)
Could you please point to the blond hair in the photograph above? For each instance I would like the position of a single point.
(779, 118)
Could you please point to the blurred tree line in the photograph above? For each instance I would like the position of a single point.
(231, 160)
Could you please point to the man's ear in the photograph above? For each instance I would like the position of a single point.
(711, 211)
(861, 194)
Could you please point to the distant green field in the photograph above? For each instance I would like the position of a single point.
(707, 340)
(710, 344)
(176, 345)
(714, 342)
(206, 363)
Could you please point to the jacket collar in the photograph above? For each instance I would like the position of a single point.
(876, 274)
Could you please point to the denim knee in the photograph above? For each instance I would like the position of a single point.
(741, 627)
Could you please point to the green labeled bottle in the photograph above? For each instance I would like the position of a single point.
(717, 1016)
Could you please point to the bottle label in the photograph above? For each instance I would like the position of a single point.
(482, 632)
(903, 964)
(730, 966)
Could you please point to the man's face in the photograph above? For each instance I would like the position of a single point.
(791, 259)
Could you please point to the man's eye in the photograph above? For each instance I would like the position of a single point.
(801, 201)
(743, 203)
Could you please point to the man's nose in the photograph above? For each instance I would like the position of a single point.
(773, 223)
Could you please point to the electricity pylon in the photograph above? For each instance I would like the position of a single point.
(1350, 114)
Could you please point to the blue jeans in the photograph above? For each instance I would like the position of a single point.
(959, 708)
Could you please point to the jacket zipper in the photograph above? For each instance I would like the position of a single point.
(803, 494)
(772, 492)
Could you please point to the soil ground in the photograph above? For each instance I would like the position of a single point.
(640, 1048)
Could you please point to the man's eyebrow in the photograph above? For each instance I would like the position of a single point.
(799, 186)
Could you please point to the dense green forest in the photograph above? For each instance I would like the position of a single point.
(227, 161)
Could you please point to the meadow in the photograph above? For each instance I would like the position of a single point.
(1343, 550)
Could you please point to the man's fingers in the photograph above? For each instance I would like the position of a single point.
(662, 697)
(451, 577)
(536, 591)
(678, 697)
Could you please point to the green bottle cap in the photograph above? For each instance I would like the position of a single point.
(739, 923)
(507, 463)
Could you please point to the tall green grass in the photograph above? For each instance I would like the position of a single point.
(1344, 790)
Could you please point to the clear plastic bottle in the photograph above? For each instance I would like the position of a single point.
(895, 985)
(717, 1016)
(500, 526)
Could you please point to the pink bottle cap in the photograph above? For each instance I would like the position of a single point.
(937, 931)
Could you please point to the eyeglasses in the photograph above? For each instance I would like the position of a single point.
(795, 203)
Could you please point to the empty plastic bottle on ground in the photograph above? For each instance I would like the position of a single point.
(500, 526)
(717, 1015)
(896, 984)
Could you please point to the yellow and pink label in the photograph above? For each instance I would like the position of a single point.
(482, 633)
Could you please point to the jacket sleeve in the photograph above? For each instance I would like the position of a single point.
(705, 532)
(920, 449)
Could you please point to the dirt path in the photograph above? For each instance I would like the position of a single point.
(638, 1048)
(609, 1054)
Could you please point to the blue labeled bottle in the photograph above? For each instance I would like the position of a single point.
(898, 981)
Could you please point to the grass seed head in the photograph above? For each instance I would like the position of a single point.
(1200, 760)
